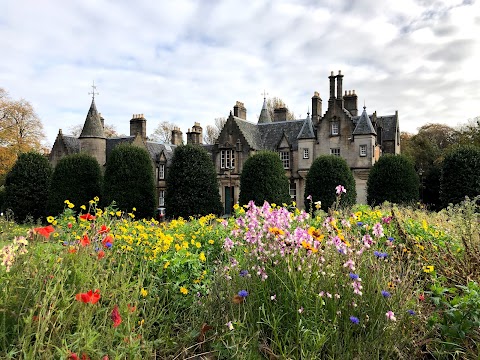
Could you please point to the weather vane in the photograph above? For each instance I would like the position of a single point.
(93, 93)
(264, 94)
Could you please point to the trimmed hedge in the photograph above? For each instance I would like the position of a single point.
(26, 186)
(393, 178)
(263, 179)
(325, 174)
(129, 180)
(77, 178)
(192, 185)
(460, 175)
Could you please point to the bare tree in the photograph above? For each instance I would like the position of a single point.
(213, 131)
(110, 130)
(275, 103)
(163, 132)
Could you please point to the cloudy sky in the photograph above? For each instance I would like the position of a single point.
(185, 61)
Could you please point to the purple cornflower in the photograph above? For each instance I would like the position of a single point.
(243, 273)
(411, 312)
(390, 239)
(354, 319)
(386, 294)
(380, 255)
(243, 293)
(353, 276)
(359, 223)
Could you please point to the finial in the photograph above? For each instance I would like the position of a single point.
(308, 111)
(93, 93)
(364, 107)
(264, 95)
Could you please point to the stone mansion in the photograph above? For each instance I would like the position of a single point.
(342, 130)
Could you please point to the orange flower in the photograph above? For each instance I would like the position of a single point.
(101, 254)
(315, 233)
(72, 250)
(131, 308)
(116, 318)
(44, 231)
(85, 240)
(87, 216)
(88, 297)
(276, 231)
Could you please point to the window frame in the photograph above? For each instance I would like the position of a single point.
(335, 128)
(306, 153)
(161, 198)
(227, 159)
(285, 158)
(161, 171)
(363, 150)
(335, 151)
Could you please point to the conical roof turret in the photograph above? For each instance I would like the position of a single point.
(307, 132)
(92, 128)
(264, 115)
(364, 125)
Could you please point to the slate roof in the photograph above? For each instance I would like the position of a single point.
(93, 125)
(307, 132)
(155, 149)
(112, 142)
(272, 133)
(264, 114)
(364, 125)
(389, 126)
(250, 132)
(71, 143)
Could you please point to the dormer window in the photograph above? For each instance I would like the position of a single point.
(227, 159)
(335, 128)
(161, 171)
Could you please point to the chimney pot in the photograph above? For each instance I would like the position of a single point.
(339, 72)
(331, 73)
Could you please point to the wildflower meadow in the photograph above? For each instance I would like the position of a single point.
(269, 282)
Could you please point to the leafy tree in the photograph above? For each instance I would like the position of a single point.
(393, 178)
(20, 131)
(460, 174)
(192, 185)
(129, 180)
(275, 103)
(325, 174)
(110, 130)
(469, 133)
(163, 132)
(77, 178)
(27, 185)
(213, 131)
(263, 179)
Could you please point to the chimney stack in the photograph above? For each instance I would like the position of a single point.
(240, 111)
(316, 107)
(195, 137)
(177, 136)
(138, 125)
(332, 86)
(340, 87)
(280, 114)
(351, 102)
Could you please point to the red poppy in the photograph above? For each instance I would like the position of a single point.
(73, 356)
(69, 225)
(101, 254)
(117, 320)
(104, 230)
(85, 240)
(87, 216)
(44, 231)
(421, 297)
(72, 250)
(88, 297)
(108, 240)
(85, 357)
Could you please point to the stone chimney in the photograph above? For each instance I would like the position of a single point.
(350, 99)
(280, 114)
(316, 107)
(138, 125)
(102, 120)
(339, 85)
(240, 111)
(177, 136)
(195, 137)
(332, 86)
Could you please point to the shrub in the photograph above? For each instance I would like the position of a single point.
(129, 180)
(263, 179)
(392, 178)
(27, 186)
(192, 185)
(325, 174)
(460, 175)
(76, 177)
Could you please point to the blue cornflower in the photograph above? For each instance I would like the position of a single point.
(353, 276)
(243, 273)
(243, 293)
(411, 312)
(108, 244)
(390, 239)
(359, 223)
(386, 294)
(354, 319)
(380, 255)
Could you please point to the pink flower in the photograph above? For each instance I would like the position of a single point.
(350, 264)
(340, 189)
(390, 316)
(378, 230)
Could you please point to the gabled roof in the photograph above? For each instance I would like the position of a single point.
(389, 125)
(272, 133)
(364, 125)
(264, 114)
(71, 143)
(306, 132)
(93, 125)
(250, 132)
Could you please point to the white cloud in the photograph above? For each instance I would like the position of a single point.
(187, 61)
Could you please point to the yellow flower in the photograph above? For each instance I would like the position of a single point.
(166, 264)
(184, 290)
(134, 209)
(67, 202)
(54, 222)
(70, 205)
(83, 207)
(236, 206)
(202, 257)
(131, 215)
(211, 242)
(96, 198)
(91, 202)
(294, 204)
(276, 231)
(50, 219)
(141, 322)
(198, 245)
(428, 268)
(144, 292)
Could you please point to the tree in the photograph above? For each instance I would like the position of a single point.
(325, 174)
(110, 130)
(275, 103)
(263, 179)
(77, 178)
(469, 133)
(392, 178)
(213, 131)
(20, 131)
(192, 185)
(27, 185)
(129, 180)
(163, 132)
(460, 174)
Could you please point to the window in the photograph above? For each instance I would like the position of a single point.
(335, 128)
(161, 171)
(227, 159)
(335, 151)
(305, 153)
(285, 157)
(161, 198)
(363, 150)
(293, 192)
